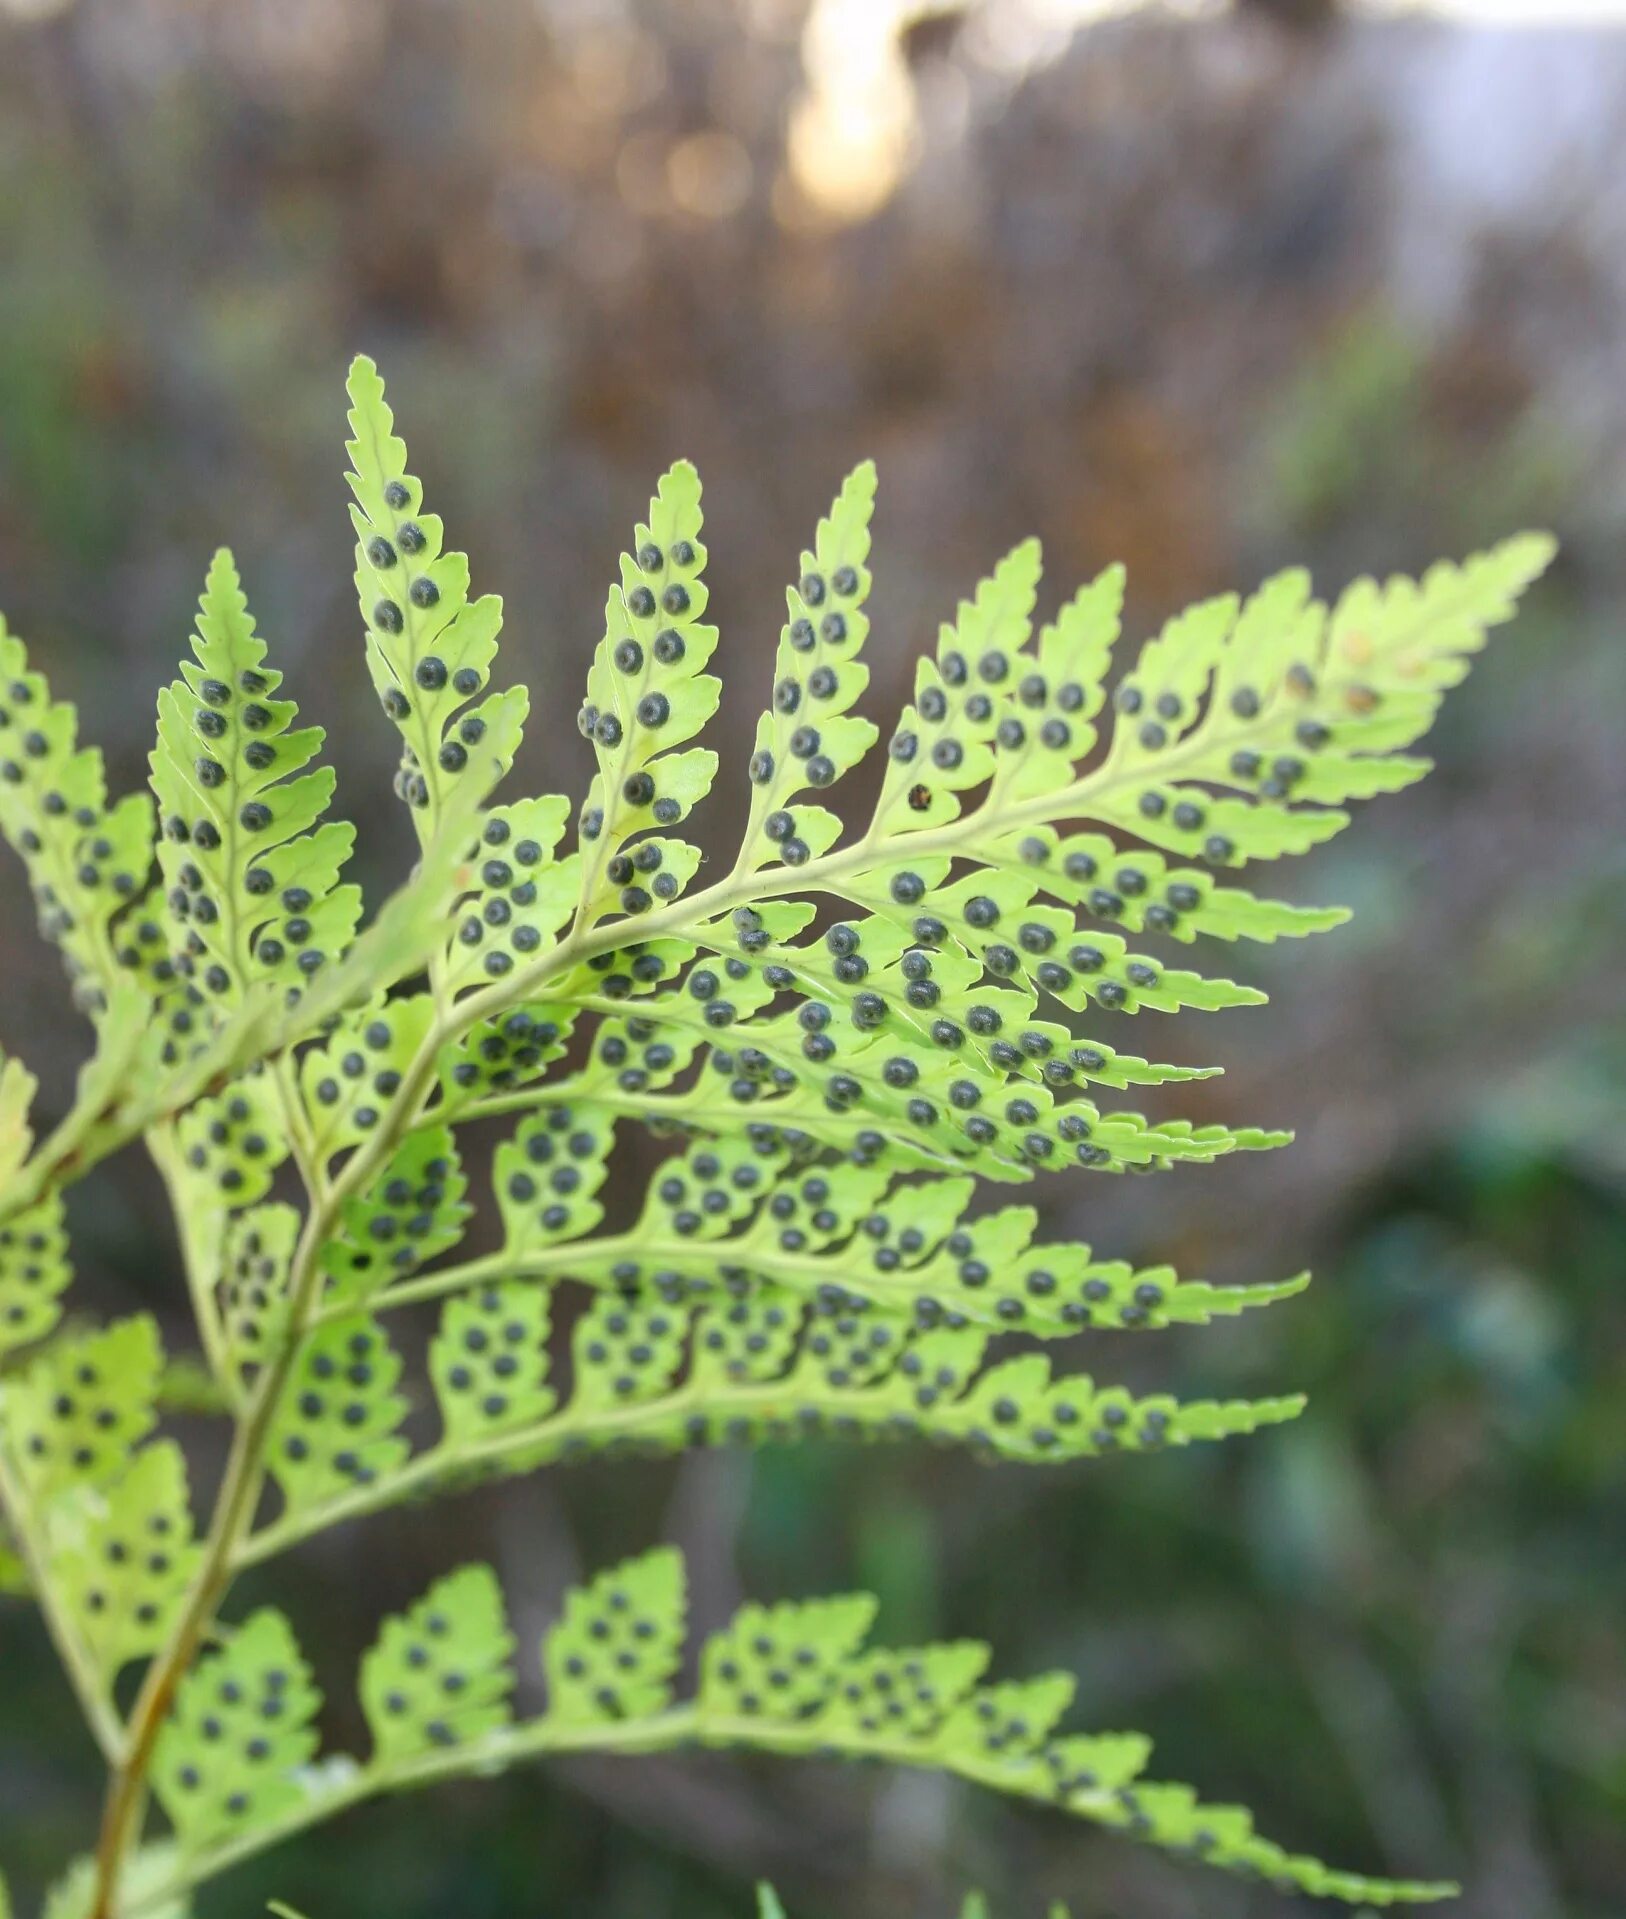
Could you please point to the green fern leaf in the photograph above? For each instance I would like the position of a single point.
(489, 1364)
(497, 1055)
(232, 1144)
(338, 1423)
(256, 1255)
(646, 695)
(34, 1273)
(548, 1175)
(413, 1212)
(745, 1211)
(854, 1066)
(793, 1678)
(86, 860)
(429, 647)
(520, 895)
(75, 1413)
(809, 736)
(614, 1654)
(253, 890)
(348, 1083)
(791, 1655)
(232, 1751)
(123, 1558)
(784, 1678)
(17, 1089)
(839, 1035)
(146, 1072)
(944, 742)
(440, 1676)
(666, 1367)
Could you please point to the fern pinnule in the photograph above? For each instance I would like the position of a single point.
(791, 1679)
(86, 858)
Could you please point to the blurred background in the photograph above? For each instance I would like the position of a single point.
(1206, 288)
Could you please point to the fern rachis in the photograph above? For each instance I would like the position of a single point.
(842, 1035)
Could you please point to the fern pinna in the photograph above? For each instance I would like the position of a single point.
(839, 1035)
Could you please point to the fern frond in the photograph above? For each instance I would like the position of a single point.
(103, 1520)
(145, 1073)
(809, 737)
(739, 1212)
(789, 1679)
(124, 1556)
(441, 1676)
(338, 1423)
(73, 1415)
(240, 1732)
(86, 859)
(252, 879)
(646, 695)
(652, 1372)
(1234, 732)
(17, 1089)
(838, 1035)
(429, 646)
(34, 1273)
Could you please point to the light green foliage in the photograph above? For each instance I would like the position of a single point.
(614, 1654)
(413, 1212)
(835, 1032)
(17, 1089)
(77, 1410)
(254, 1266)
(337, 1424)
(231, 1750)
(86, 859)
(441, 1675)
(33, 1273)
(646, 694)
(429, 647)
(792, 1679)
(250, 876)
(489, 1363)
(124, 1555)
(824, 632)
